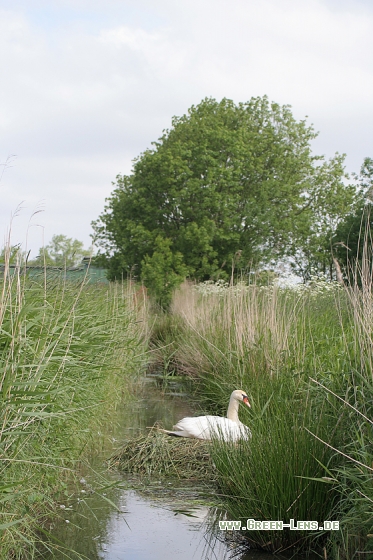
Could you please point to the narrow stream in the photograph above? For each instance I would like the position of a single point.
(133, 521)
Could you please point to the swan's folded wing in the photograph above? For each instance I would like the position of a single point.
(196, 427)
(210, 427)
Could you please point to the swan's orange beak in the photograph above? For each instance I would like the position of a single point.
(246, 401)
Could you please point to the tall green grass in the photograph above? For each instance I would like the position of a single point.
(354, 474)
(305, 358)
(67, 354)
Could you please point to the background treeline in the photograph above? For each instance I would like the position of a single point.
(61, 251)
(229, 186)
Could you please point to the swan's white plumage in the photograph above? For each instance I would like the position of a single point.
(209, 427)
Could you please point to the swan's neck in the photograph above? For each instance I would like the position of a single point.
(232, 413)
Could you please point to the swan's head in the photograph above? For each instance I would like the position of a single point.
(241, 396)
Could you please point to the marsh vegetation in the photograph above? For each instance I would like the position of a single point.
(304, 356)
(69, 352)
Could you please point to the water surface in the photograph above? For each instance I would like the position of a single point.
(161, 520)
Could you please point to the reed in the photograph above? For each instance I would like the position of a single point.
(233, 335)
(67, 351)
(353, 395)
(279, 474)
(283, 346)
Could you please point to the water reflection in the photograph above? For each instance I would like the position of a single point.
(150, 531)
(152, 406)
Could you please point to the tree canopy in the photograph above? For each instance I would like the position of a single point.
(228, 183)
(61, 251)
(353, 235)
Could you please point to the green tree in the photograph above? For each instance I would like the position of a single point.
(62, 251)
(226, 179)
(353, 234)
(310, 247)
(11, 254)
(163, 271)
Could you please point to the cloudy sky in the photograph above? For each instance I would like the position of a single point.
(87, 85)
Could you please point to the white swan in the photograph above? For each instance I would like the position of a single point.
(209, 427)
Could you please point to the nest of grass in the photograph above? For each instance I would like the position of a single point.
(157, 454)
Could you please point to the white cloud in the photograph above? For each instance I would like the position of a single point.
(88, 85)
